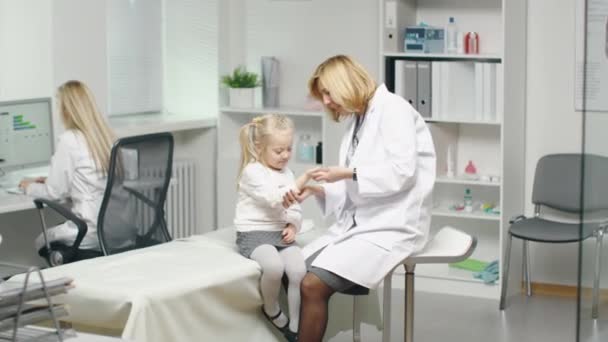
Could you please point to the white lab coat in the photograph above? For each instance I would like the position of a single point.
(395, 162)
(72, 176)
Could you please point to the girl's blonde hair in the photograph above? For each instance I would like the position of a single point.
(79, 112)
(253, 136)
(348, 83)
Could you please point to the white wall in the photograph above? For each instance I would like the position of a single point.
(286, 30)
(79, 45)
(191, 57)
(25, 49)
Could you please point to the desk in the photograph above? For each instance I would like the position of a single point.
(10, 203)
(196, 289)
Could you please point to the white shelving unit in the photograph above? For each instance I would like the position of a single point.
(492, 58)
(494, 143)
(262, 111)
(473, 122)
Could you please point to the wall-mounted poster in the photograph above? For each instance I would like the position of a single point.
(592, 66)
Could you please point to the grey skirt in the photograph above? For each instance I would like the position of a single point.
(248, 241)
(337, 283)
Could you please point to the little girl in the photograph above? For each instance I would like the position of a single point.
(265, 229)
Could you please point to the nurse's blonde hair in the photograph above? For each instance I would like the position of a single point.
(79, 112)
(254, 135)
(346, 81)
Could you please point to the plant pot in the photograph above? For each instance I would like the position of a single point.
(241, 97)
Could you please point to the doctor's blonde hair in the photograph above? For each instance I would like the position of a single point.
(346, 81)
(79, 112)
(254, 135)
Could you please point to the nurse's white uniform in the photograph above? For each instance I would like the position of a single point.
(72, 176)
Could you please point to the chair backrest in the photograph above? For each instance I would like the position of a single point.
(558, 182)
(132, 211)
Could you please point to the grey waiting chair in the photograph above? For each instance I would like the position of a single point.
(558, 184)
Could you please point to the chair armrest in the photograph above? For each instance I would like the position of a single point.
(517, 218)
(66, 213)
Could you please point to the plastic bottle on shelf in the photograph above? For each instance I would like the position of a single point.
(468, 200)
(470, 171)
(319, 153)
(451, 37)
(306, 151)
(460, 43)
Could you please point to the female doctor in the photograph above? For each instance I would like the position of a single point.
(380, 194)
(79, 166)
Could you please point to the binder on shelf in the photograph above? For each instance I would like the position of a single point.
(489, 92)
(400, 78)
(445, 90)
(410, 92)
(436, 96)
(391, 40)
(424, 99)
(479, 92)
(499, 92)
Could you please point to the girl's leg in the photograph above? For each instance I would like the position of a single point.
(313, 317)
(272, 272)
(295, 268)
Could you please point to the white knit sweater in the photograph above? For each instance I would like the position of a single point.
(260, 200)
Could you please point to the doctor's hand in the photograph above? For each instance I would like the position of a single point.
(331, 174)
(289, 233)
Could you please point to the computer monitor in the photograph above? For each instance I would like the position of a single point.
(26, 133)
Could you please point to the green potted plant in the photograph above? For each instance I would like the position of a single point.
(241, 84)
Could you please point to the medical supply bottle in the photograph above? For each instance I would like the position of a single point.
(319, 153)
(452, 37)
(468, 200)
(306, 151)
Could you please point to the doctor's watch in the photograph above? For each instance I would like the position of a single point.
(355, 174)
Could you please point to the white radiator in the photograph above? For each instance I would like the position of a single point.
(180, 206)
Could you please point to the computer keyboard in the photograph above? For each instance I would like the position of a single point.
(15, 190)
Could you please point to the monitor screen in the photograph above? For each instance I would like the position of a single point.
(26, 133)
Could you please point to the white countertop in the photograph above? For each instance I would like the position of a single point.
(148, 123)
(10, 203)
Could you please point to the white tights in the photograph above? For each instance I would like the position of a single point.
(274, 263)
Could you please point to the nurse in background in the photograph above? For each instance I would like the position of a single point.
(79, 166)
(380, 194)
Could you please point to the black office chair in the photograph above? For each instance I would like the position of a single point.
(557, 185)
(132, 214)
